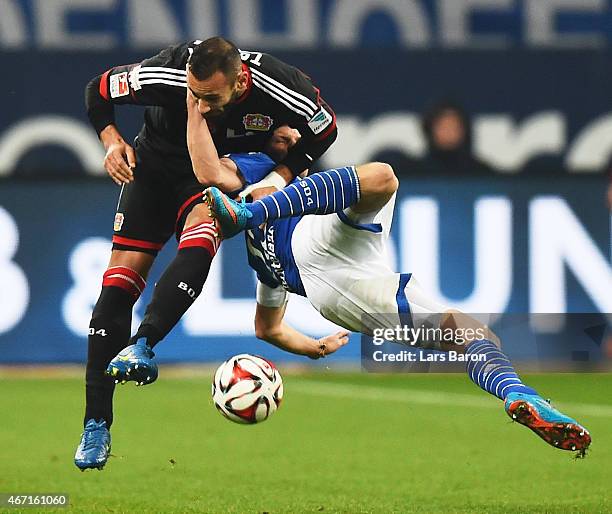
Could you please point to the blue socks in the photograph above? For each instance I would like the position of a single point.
(495, 374)
(321, 193)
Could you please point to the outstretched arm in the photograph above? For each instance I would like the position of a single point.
(209, 169)
(270, 327)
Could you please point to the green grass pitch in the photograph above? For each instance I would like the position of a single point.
(341, 442)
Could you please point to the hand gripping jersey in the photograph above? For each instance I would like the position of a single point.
(277, 94)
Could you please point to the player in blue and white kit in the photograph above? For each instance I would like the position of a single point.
(336, 259)
(324, 237)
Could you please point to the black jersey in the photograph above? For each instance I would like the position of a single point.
(277, 94)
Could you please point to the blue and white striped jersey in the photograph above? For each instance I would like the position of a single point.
(269, 248)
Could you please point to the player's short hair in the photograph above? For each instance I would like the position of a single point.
(212, 55)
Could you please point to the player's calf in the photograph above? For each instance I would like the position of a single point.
(467, 330)
(493, 372)
(182, 282)
(109, 332)
(325, 192)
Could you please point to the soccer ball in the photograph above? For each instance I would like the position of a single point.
(247, 389)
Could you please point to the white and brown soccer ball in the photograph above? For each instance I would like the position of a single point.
(247, 389)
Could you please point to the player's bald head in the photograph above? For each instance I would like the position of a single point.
(213, 55)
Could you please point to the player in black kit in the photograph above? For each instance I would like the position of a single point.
(243, 96)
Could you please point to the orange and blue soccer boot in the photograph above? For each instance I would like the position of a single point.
(555, 428)
(231, 216)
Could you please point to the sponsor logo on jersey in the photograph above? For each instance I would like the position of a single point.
(264, 249)
(119, 85)
(257, 122)
(320, 121)
(118, 221)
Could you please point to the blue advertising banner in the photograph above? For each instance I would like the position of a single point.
(483, 246)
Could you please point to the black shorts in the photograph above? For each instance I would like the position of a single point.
(155, 205)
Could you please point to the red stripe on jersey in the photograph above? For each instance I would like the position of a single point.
(104, 85)
(137, 243)
(246, 93)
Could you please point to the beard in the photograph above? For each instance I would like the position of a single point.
(218, 112)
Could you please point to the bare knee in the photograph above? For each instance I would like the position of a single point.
(377, 182)
(388, 180)
(377, 177)
(140, 262)
(467, 328)
(199, 214)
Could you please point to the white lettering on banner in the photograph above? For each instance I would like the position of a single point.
(541, 16)
(13, 31)
(52, 29)
(558, 241)
(51, 130)
(508, 145)
(87, 263)
(153, 23)
(359, 141)
(145, 29)
(15, 291)
(212, 314)
(245, 23)
(454, 19)
(592, 148)
(498, 139)
(203, 18)
(347, 17)
(420, 252)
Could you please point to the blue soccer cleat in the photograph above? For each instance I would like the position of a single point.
(231, 216)
(134, 363)
(95, 445)
(555, 428)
